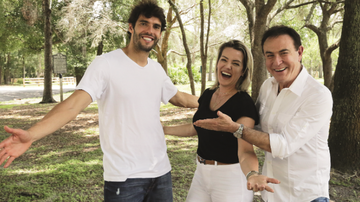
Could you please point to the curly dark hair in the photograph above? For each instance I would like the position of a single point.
(148, 8)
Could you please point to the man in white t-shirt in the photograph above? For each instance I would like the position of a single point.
(295, 112)
(128, 87)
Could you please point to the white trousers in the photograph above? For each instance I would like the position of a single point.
(219, 183)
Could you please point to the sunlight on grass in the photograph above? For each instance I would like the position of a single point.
(91, 144)
(186, 87)
(175, 117)
(10, 106)
(16, 116)
(93, 131)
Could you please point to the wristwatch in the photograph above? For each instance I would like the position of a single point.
(239, 132)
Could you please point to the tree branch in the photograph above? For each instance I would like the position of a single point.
(331, 48)
(300, 5)
(269, 6)
(336, 22)
(249, 7)
(330, 2)
(313, 28)
(183, 12)
(208, 30)
(307, 20)
(279, 10)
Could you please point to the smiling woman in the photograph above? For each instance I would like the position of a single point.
(228, 158)
(241, 58)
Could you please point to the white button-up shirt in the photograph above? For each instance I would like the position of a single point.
(297, 120)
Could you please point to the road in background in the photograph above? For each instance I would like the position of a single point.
(8, 93)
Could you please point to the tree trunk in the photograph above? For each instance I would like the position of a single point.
(162, 50)
(188, 54)
(7, 70)
(203, 56)
(210, 68)
(162, 47)
(204, 47)
(1, 67)
(321, 32)
(257, 27)
(344, 140)
(100, 48)
(260, 72)
(79, 73)
(326, 60)
(24, 72)
(38, 70)
(47, 93)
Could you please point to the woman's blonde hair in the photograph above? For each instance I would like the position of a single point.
(245, 80)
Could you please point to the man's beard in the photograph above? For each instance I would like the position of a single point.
(139, 46)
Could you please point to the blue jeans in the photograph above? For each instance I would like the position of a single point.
(321, 199)
(140, 190)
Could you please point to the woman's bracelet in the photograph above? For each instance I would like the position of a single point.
(253, 172)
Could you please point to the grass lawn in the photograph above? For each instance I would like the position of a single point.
(67, 165)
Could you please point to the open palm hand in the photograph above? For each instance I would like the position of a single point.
(15, 145)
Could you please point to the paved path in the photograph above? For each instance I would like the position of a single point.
(19, 92)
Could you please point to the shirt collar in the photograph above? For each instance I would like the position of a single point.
(297, 87)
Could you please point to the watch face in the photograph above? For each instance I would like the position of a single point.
(238, 133)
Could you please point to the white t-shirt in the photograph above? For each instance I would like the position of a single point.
(297, 120)
(128, 96)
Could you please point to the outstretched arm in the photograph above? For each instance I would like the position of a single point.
(20, 140)
(224, 123)
(185, 130)
(182, 99)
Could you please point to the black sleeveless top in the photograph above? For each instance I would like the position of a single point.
(216, 145)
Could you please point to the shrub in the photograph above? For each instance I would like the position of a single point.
(179, 74)
(19, 81)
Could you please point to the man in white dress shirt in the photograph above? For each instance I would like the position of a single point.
(295, 112)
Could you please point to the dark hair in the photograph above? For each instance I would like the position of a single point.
(244, 81)
(281, 30)
(148, 8)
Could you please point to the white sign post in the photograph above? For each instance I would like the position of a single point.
(59, 61)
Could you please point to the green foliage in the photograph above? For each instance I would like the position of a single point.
(179, 74)
(19, 81)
